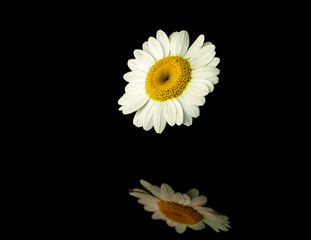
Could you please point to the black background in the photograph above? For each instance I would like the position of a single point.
(229, 153)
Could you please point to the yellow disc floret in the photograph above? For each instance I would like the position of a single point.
(180, 213)
(168, 78)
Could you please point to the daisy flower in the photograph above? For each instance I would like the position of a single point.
(169, 80)
(179, 210)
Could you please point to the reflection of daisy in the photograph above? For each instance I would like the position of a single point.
(179, 210)
(169, 80)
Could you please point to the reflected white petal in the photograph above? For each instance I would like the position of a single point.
(180, 228)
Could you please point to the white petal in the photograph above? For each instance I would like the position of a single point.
(180, 228)
(128, 96)
(164, 41)
(138, 119)
(214, 62)
(141, 115)
(135, 85)
(158, 216)
(134, 75)
(155, 190)
(135, 65)
(204, 82)
(199, 201)
(214, 80)
(179, 112)
(207, 44)
(208, 58)
(167, 192)
(151, 208)
(146, 48)
(144, 57)
(189, 108)
(197, 226)
(179, 43)
(213, 225)
(149, 201)
(216, 225)
(202, 57)
(205, 210)
(195, 47)
(171, 223)
(178, 197)
(148, 116)
(121, 108)
(140, 190)
(203, 61)
(170, 112)
(193, 98)
(205, 72)
(216, 221)
(183, 43)
(171, 36)
(198, 88)
(141, 195)
(158, 118)
(173, 43)
(187, 119)
(181, 198)
(156, 48)
(213, 71)
(133, 104)
(187, 199)
(193, 193)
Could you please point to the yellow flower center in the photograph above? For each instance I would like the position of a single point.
(180, 213)
(168, 78)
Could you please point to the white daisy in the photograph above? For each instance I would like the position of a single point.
(169, 80)
(179, 210)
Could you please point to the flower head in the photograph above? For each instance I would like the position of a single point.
(179, 210)
(169, 80)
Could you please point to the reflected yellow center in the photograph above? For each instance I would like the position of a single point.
(180, 213)
(168, 78)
